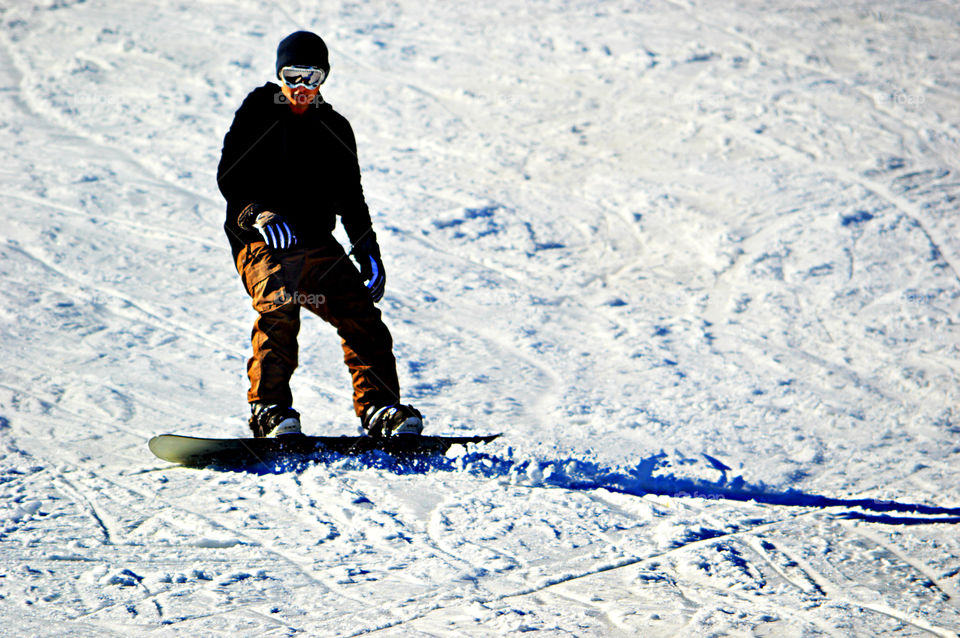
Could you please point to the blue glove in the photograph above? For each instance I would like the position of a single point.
(367, 253)
(275, 231)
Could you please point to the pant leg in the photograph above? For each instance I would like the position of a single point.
(270, 280)
(332, 288)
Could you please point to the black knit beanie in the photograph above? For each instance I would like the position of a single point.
(303, 48)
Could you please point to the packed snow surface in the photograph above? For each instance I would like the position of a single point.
(698, 260)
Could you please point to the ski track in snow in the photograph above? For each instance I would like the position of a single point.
(698, 261)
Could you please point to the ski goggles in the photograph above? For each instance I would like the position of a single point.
(309, 77)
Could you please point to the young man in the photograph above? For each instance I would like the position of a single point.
(288, 169)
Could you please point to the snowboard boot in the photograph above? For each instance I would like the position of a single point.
(273, 420)
(392, 420)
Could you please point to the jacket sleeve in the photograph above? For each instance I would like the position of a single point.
(352, 207)
(237, 175)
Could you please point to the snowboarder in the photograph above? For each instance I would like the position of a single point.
(288, 168)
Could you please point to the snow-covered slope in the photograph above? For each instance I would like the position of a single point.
(698, 260)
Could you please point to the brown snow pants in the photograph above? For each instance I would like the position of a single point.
(325, 282)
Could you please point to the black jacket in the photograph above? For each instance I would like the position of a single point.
(303, 167)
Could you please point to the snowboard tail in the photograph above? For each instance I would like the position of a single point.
(201, 452)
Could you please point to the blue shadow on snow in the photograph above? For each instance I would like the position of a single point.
(638, 480)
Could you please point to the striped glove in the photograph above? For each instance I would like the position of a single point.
(272, 227)
(367, 253)
(275, 231)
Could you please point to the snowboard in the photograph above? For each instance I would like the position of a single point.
(201, 452)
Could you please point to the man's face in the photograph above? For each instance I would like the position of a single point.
(300, 98)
